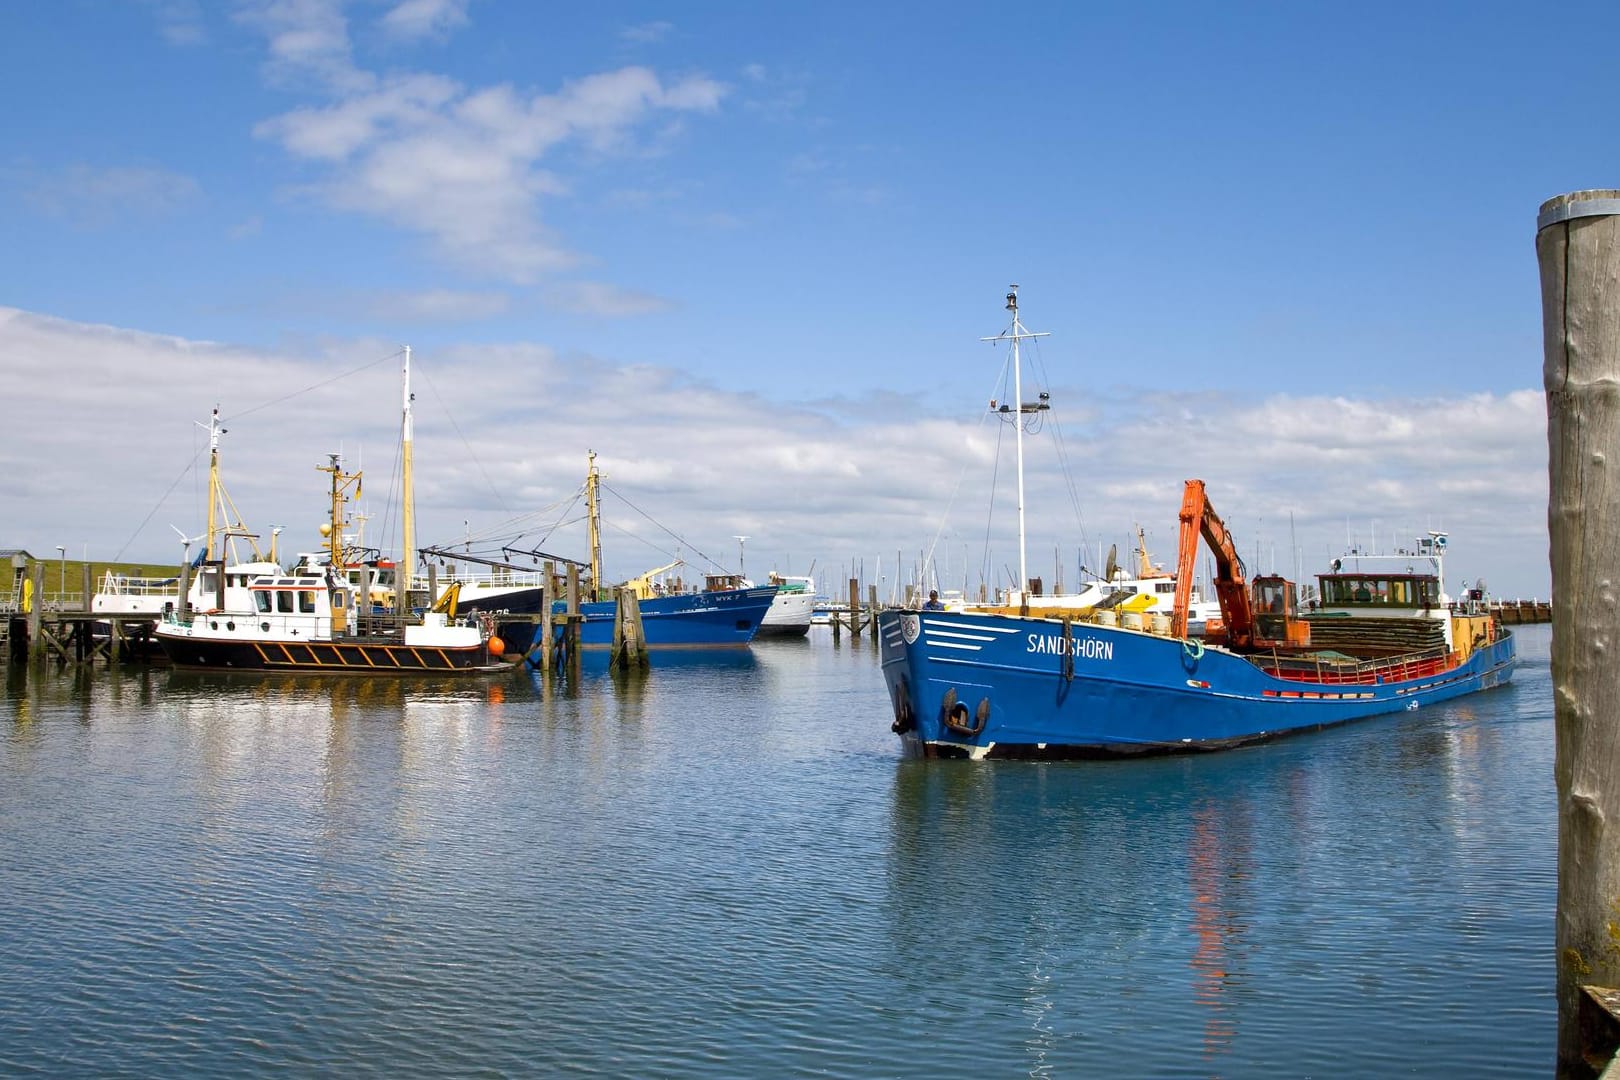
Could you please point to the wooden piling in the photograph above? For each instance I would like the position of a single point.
(854, 607)
(184, 606)
(568, 648)
(629, 641)
(1578, 248)
(36, 615)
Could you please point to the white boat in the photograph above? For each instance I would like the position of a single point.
(218, 577)
(314, 619)
(793, 609)
(1134, 600)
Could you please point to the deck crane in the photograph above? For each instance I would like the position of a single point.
(1276, 623)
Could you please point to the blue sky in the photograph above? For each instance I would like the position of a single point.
(745, 252)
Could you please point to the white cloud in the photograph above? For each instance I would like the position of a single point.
(308, 41)
(601, 298)
(647, 33)
(96, 197)
(179, 21)
(464, 167)
(336, 132)
(414, 19)
(437, 305)
(839, 482)
(248, 227)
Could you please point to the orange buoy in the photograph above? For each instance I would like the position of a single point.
(496, 646)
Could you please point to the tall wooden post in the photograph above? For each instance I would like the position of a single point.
(548, 591)
(871, 612)
(854, 608)
(184, 610)
(572, 628)
(629, 644)
(36, 615)
(1578, 247)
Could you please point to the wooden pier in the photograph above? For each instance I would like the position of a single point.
(73, 638)
(1516, 612)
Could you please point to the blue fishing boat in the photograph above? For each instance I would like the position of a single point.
(715, 618)
(725, 613)
(1382, 637)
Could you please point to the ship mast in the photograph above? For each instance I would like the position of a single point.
(593, 514)
(213, 485)
(407, 560)
(1015, 334)
(224, 521)
(338, 522)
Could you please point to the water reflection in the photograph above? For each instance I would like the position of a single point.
(722, 866)
(1217, 872)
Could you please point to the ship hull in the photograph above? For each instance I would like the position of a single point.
(708, 620)
(788, 616)
(1004, 686)
(354, 655)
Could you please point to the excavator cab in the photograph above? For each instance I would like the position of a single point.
(1276, 614)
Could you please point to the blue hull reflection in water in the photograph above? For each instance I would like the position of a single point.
(724, 869)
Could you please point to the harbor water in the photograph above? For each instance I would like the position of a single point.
(724, 868)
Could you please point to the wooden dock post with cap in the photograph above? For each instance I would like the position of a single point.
(1578, 248)
(629, 641)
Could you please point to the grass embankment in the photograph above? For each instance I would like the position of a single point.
(65, 577)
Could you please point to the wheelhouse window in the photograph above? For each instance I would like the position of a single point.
(306, 601)
(284, 601)
(1349, 590)
(262, 601)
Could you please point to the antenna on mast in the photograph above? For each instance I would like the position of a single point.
(1015, 334)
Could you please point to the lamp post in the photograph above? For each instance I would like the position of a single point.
(61, 569)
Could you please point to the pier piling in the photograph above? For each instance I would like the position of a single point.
(1578, 249)
(629, 643)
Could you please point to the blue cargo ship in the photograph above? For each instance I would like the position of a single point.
(1381, 637)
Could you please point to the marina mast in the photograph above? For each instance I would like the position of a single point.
(1015, 334)
(407, 560)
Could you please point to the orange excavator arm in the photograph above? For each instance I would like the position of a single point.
(1198, 518)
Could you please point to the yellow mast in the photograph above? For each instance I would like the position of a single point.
(593, 513)
(221, 533)
(407, 559)
(334, 528)
(213, 486)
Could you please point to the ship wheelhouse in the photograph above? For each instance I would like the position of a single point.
(1371, 592)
